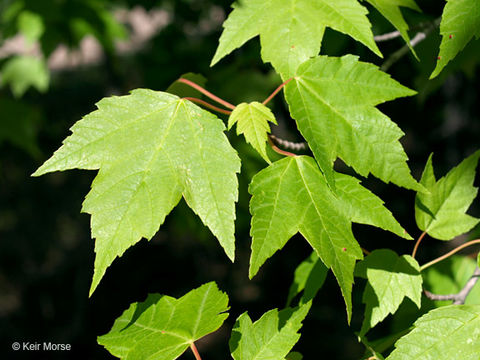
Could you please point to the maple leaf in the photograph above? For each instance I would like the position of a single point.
(151, 148)
(441, 211)
(449, 277)
(391, 278)
(449, 332)
(291, 31)
(460, 23)
(391, 11)
(163, 327)
(291, 196)
(270, 337)
(252, 121)
(333, 101)
(23, 72)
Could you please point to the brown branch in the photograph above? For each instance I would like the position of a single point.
(195, 351)
(206, 104)
(461, 296)
(387, 36)
(207, 93)
(418, 38)
(290, 145)
(395, 34)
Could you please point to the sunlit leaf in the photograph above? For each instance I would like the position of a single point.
(391, 278)
(291, 31)
(252, 121)
(460, 23)
(270, 337)
(151, 148)
(449, 332)
(441, 211)
(162, 327)
(333, 101)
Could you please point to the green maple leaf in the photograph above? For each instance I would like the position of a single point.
(449, 277)
(252, 121)
(391, 278)
(441, 212)
(291, 31)
(291, 196)
(309, 277)
(270, 337)
(23, 72)
(460, 23)
(151, 148)
(449, 332)
(162, 327)
(333, 101)
(390, 9)
(31, 25)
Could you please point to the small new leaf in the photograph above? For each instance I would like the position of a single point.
(450, 332)
(441, 211)
(291, 196)
(270, 337)
(391, 278)
(252, 121)
(460, 23)
(162, 327)
(333, 101)
(151, 148)
(291, 31)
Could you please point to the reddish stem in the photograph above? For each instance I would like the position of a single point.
(207, 93)
(278, 150)
(195, 351)
(450, 253)
(418, 243)
(272, 95)
(206, 104)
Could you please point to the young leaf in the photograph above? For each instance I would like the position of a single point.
(151, 148)
(460, 23)
(163, 327)
(450, 332)
(23, 72)
(252, 121)
(291, 196)
(391, 11)
(333, 101)
(270, 337)
(291, 31)
(309, 278)
(391, 278)
(441, 211)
